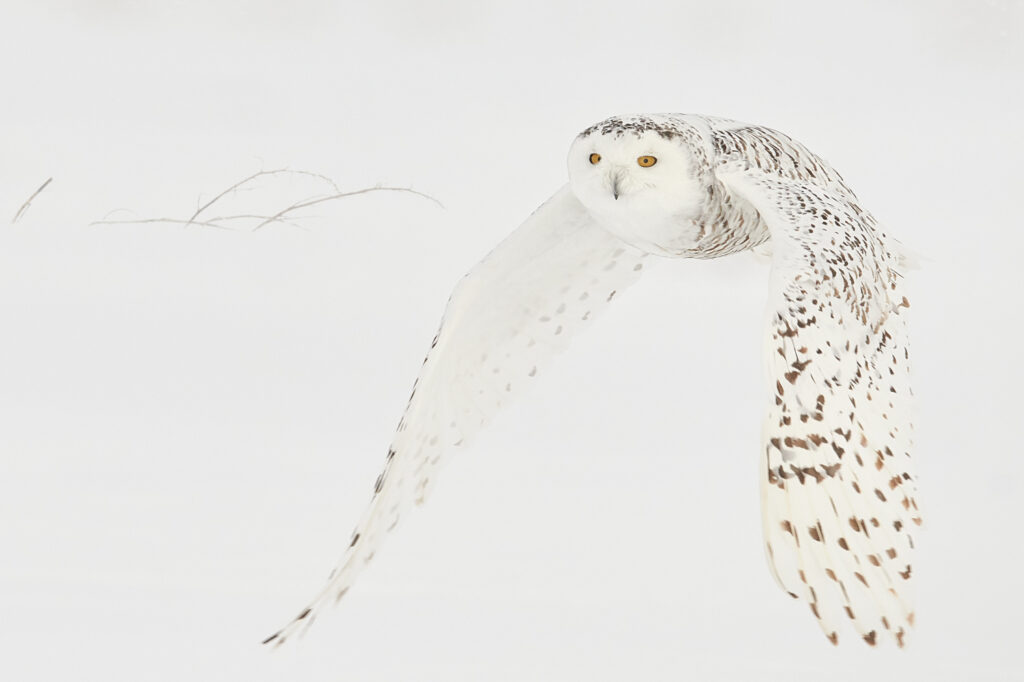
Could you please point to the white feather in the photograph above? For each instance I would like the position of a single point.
(838, 490)
(546, 282)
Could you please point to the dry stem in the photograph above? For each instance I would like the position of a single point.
(28, 202)
(279, 217)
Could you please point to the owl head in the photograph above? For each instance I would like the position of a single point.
(643, 178)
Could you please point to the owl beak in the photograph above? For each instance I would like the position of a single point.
(616, 179)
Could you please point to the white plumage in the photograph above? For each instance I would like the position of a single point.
(837, 484)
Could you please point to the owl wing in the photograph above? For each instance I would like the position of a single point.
(506, 318)
(837, 480)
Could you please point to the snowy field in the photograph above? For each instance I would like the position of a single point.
(192, 418)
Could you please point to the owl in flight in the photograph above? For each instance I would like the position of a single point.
(837, 486)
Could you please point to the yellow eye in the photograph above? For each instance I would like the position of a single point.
(647, 161)
(594, 158)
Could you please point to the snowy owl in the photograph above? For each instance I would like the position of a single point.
(837, 488)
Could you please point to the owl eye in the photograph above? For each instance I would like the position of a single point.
(647, 161)
(594, 158)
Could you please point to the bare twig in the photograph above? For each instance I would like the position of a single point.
(341, 195)
(250, 216)
(229, 190)
(252, 177)
(326, 179)
(28, 202)
(283, 216)
(211, 222)
(176, 221)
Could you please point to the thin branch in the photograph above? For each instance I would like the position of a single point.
(160, 220)
(250, 216)
(252, 177)
(318, 176)
(211, 222)
(283, 216)
(229, 190)
(28, 202)
(341, 195)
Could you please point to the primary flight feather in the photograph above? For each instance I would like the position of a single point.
(837, 484)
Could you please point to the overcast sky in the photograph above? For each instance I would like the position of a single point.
(191, 419)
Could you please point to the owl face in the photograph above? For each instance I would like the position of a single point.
(640, 185)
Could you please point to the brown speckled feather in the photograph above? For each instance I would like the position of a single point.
(837, 479)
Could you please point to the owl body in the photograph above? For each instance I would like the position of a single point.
(837, 485)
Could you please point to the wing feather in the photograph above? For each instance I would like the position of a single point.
(519, 306)
(838, 490)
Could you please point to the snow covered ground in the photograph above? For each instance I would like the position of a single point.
(192, 419)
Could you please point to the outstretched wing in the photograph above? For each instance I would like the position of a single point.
(836, 477)
(504, 320)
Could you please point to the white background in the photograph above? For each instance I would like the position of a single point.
(191, 419)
